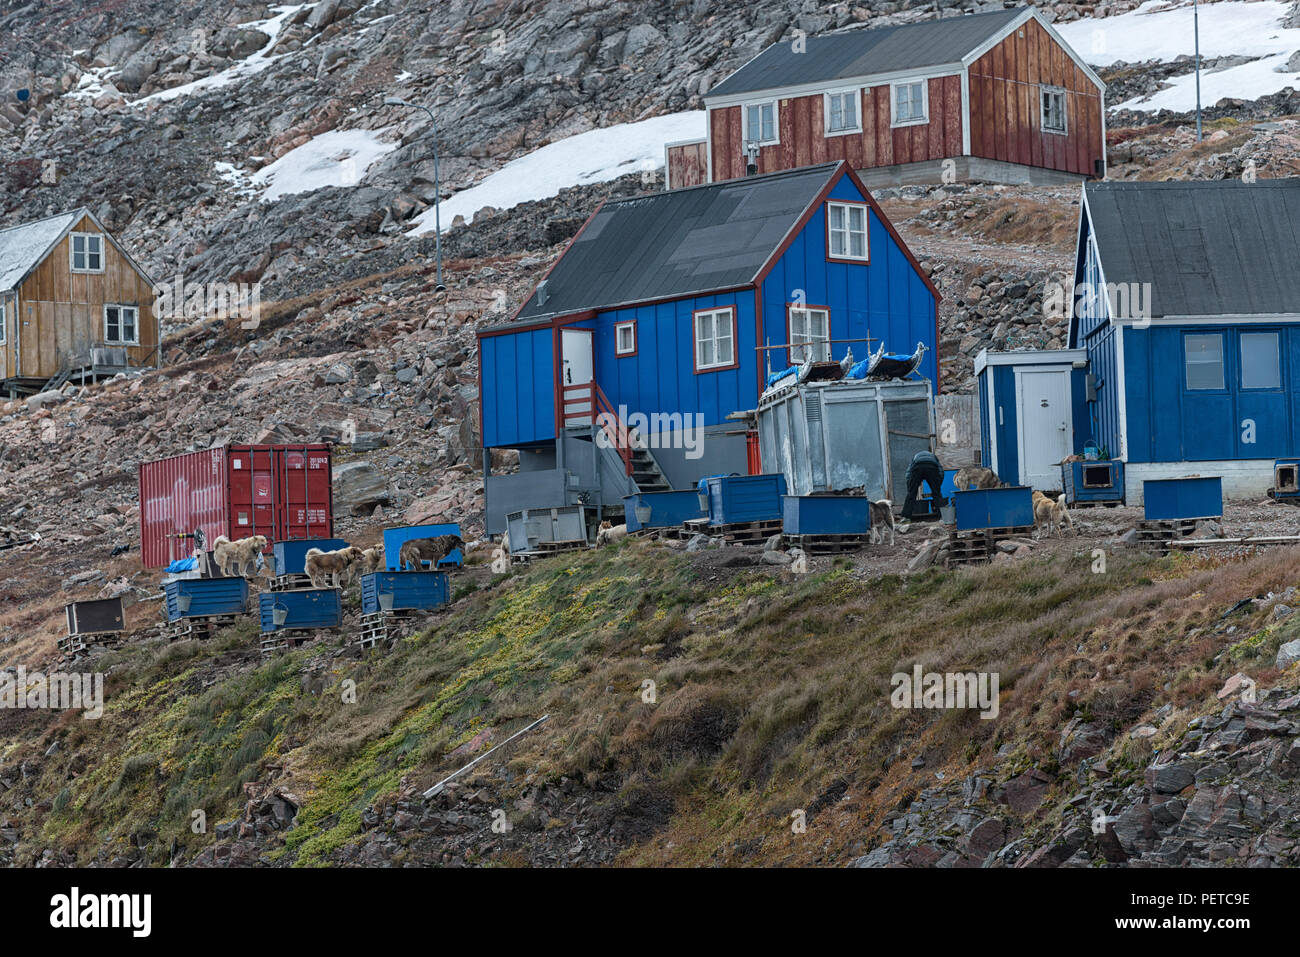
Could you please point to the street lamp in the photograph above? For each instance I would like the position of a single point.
(437, 188)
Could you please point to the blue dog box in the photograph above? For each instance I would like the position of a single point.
(667, 509)
(395, 538)
(291, 556)
(206, 596)
(745, 498)
(302, 608)
(925, 505)
(411, 591)
(1286, 478)
(1182, 498)
(1093, 481)
(826, 515)
(994, 508)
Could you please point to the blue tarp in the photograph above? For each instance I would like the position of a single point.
(183, 565)
(858, 370)
(774, 377)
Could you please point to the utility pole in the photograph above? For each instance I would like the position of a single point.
(1196, 29)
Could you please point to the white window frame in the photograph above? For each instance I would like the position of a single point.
(745, 136)
(4, 322)
(809, 338)
(629, 325)
(72, 252)
(925, 103)
(848, 233)
(135, 324)
(727, 313)
(856, 94)
(1043, 92)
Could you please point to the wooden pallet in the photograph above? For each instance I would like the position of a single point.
(274, 641)
(381, 626)
(80, 644)
(830, 544)
(970, 548)
(199, 627)
(741, 533)
(289, 583)
(1158, 535)
(1011, 531)
(1112, 503)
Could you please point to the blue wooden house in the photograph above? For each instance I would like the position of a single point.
(663, 317)
(1187, 304)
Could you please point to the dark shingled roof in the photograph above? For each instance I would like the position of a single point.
(860, 53)
(678, 243)
(1214, 248)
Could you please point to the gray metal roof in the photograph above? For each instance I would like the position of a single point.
(861, 53)
(1208, 248)
(23, 247)
(678, 243)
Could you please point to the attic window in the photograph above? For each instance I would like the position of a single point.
(1053, 110)
(625, 338)
(909, 103)
(846, 231)
(760, 124)
(87, 252)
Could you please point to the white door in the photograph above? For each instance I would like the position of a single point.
(1046, 435)
(577, 371)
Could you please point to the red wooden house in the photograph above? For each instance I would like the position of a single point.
(997, 97)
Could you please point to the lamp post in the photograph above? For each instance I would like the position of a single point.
(437, 188)
(1196, 31)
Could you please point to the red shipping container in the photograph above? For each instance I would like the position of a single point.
(281, 491)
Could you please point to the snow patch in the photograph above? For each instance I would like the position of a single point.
(337, 158)
(596, 156)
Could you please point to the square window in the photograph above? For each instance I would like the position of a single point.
(1203, 360)
(909, 103)
(87, 252)
(1053, 110)
(121, 325)
(625, 338)
(810, 334)
(715, 345)
(1260, 368)
(842, 112)
(846, 231)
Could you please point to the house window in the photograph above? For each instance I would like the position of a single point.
(1053, 107)
(122, 325)
(1203, 359)
(846, 231)
(909, 103)
(760, 124)
(87, 252)
(625, 338)
(715, 339)
(841, 111)
(1260, 368)
(810, 334)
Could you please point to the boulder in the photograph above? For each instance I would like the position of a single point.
(1288, 655)
(359, 487)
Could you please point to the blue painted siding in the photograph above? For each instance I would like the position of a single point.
(517, 371)
(1103, 362)
(1167, 422)
(885, 297)
(661, 376)
(1004, 423)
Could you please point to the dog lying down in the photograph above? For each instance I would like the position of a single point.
(338, 566)
(1050, 515)
(417, 551)
(239, 559)
(610, 534)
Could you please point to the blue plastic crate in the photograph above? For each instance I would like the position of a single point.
(1177, 499)
(290, 556)
(207, 596)
(994, 508)
(735, 499)
(1093, 481)
(667, 509)
(304, 607)
(395, 538)
(410, 590)
(826, 515)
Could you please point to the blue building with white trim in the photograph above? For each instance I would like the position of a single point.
(667, 311)
(1184, 338)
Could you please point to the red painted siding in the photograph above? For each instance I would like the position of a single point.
(687, 164)
(1005, 110)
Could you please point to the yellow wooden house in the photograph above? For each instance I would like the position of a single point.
(73, 305)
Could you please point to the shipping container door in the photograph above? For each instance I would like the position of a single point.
(305, 483)
(253, 499)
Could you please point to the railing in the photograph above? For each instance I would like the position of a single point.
(586, 404)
